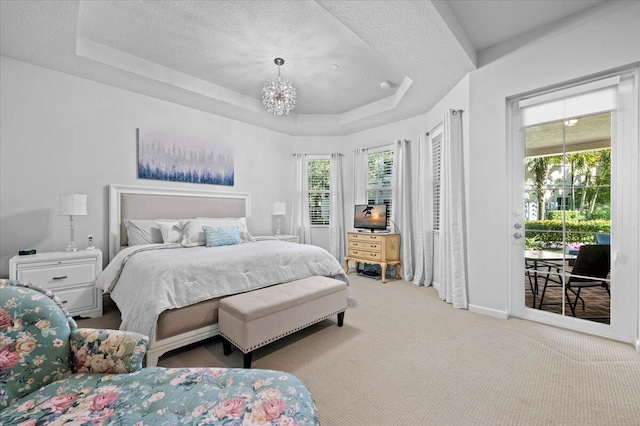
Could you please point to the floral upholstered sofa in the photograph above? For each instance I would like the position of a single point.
(52, 372)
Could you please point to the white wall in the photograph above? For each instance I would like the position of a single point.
(457, 98)
(604, 40)
(63, 134)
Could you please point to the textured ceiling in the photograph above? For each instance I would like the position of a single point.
(215, 55)
(489, 22)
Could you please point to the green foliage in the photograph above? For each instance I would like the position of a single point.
(380, 167)
(549, 232)
(532, 243)
(568, 214)
(319, 175)
(602, 212)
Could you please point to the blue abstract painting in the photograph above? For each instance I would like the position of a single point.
(165, 155)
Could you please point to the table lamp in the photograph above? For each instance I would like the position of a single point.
(279, 209)
(72, 205)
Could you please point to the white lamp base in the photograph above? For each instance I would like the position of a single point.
(71, 247)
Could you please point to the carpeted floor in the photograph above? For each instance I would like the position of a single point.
(404, 357)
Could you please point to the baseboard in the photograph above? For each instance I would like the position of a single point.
(488, 311)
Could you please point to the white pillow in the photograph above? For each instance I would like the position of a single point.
(172, 231)
(142, 232)
(193, 234)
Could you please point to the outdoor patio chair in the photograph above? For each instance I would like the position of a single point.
(603, 238)
(591, 269)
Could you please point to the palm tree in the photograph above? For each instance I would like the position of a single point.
(539, 167)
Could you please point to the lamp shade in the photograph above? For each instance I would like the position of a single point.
(279, 209)
(72, 205)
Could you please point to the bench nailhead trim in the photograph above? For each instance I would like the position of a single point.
(273, 339)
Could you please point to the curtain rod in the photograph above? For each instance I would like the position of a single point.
(455, 111)
(305, 153)
(379, 146)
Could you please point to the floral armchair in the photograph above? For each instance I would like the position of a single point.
(52, 372)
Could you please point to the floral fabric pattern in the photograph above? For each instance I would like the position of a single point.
(52, 372)
(34, 340)
(107, 351)
(160, 396)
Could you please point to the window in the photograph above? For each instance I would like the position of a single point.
(437, 160)
(319, 191)
(379, 178)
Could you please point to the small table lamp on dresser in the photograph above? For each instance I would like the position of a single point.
(72, 205)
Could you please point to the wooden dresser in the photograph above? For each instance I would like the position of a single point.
(377, 249)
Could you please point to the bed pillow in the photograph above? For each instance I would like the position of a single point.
(223, 236)
(172, 230)
(241, 222)
(142, 232)
(194, 235)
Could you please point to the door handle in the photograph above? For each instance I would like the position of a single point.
(517, 235)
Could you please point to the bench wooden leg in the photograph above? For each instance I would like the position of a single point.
(226, 346)
(340, 319)
(247, 359)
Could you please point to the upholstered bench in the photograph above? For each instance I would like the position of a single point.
(253, 319)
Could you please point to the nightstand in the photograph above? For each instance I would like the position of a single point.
(289, 238)
(71, 276)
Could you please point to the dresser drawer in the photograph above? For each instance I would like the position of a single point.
(361, 245)
(362, 254)
(53, 277)
(78, 299)
(365, 237)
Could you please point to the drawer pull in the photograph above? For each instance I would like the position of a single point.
(64, 277)
(64, 301)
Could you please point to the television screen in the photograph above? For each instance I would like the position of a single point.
(370, 216)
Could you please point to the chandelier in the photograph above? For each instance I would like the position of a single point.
(278, 95)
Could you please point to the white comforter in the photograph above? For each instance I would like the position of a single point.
(147, 280)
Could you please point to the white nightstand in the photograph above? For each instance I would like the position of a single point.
(289, 238)
(71, 276)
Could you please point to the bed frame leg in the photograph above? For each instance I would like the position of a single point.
(340, 319)
(247, 359)
(226, 346)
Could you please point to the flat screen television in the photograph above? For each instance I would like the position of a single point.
(370, 216)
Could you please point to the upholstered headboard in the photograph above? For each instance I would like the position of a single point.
(143, 202)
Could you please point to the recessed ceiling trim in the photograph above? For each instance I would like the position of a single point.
(116, 58)
(95, 51)
(377, 107)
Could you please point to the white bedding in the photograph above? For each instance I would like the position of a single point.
(146, 280)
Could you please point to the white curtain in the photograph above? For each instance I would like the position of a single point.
(401, 204)
(300, 203)
(336, 213)
(423, 214)
(452, 247)
(360, 176)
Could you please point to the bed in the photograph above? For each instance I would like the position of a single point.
(178, 288)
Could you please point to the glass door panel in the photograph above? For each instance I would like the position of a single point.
(567, 212)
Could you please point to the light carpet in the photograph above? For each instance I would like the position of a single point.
(404, 357)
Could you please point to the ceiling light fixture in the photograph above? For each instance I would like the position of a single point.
(278, 95)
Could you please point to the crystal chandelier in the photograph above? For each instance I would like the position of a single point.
(278, 95)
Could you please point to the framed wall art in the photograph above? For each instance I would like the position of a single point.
(166, 155)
